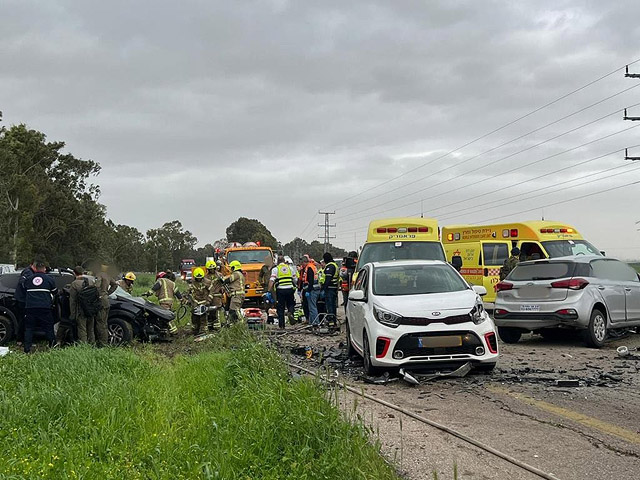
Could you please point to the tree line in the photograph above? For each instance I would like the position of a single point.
(49, 206)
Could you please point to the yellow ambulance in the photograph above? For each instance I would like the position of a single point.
(484, 248)
(407, 238)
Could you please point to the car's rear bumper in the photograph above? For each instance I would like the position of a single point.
(537, 320)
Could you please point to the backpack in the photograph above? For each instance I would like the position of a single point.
(89, 299)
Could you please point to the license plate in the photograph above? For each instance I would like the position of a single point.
(445, 341)
(529, 308)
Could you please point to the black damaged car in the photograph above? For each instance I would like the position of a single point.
(129, 317)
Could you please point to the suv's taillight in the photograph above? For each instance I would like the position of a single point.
(503, 286)
(571, 284)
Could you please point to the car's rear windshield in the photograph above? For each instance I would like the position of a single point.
(541, 271)
(416, 280)
(384, 251)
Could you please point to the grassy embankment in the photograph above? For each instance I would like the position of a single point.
(231, 412)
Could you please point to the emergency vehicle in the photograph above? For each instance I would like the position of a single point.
(252, 257)
(409, 238)
(484, 248)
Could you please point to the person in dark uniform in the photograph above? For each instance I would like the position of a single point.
(330, 284)
(20, 297)
(40, 291)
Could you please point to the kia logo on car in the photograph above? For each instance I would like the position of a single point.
(435, 314)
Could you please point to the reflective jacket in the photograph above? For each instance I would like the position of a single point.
(331, 277)
(284, 277)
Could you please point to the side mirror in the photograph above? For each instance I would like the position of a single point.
(480, 290)
(356, 296)
(456, 262)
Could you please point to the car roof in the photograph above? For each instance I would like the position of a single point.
(571, 258)
(407, 263)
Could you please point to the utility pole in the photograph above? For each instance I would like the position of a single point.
(627, 117)
(327, 229)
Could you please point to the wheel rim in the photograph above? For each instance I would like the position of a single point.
(116, 334)
(599, 328)
(3, 333)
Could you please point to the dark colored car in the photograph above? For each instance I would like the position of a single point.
(129, 317)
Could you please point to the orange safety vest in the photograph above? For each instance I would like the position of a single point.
(315, 273)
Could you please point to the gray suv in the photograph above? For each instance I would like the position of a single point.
(591, 293)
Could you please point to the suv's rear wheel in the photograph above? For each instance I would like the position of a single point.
(596, 332)
(369, 369)
(120, 331)
(509, 334)
(6, 330)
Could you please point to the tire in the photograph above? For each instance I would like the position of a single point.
(596, 332)
(351, 352)
(509, 334)
(120, 332)
(369, 369)
(6, 330)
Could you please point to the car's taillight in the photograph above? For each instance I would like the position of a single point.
(499, 311)
(571, 284)
(503, 286)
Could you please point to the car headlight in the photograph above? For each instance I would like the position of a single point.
(477, 314)
(386, 317)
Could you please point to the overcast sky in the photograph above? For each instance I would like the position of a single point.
(205, 111)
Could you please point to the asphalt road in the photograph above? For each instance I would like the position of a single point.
(590, 431)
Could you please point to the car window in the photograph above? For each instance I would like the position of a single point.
(361, 282)
(9, 280)
(541, 271)
(495, 254)
(416, 280)
(614, 270)
(566, 248)
(531, 251)
(384, 251)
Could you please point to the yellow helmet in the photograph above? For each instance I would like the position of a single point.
(198, 273)
(235, 265)
(130, 276)
(210, 265)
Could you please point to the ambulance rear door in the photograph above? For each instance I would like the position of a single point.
(494, 254)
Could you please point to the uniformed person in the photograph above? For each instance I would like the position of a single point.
(106, 286)
(216, 295)
(85, 324)
(235, 280)
(197, 296)
(510, 263)
(330, 285)
(166, 291)
(284, 278)
(126, 282)
(40, 291)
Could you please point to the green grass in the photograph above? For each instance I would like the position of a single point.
(232, 412)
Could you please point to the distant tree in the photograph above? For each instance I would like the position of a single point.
(123, 246)
(250, 230)
(168, 244)
(298, 247)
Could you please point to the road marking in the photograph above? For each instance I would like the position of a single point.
(591, 422)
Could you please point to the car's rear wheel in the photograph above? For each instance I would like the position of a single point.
(369, 369)
(120, 332)
(596, 332)
(351, 352)
(509, 334)
(6, 330)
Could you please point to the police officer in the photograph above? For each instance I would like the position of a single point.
(165, 290)
(106, 286)
(85, 324)
(510, 263)
(198, 296)
(235, 280)
(126, 282)
(284, 278)
(40, 291)
(330, 284)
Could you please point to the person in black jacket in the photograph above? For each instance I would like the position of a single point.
(20, 296)
(40, 290)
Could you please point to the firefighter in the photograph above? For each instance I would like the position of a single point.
(214, 289)
(165, 290)
(235, 280)
(126, 282)
(198, 296)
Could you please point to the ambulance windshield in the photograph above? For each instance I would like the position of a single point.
(383, 251)
(565, 248)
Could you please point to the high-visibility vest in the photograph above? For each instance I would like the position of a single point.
(334, 281)
(167, 290)
(312, 266)
(284, 277)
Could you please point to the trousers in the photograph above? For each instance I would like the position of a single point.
(286, 299)
(38, 318)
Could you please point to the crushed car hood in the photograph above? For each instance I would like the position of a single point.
(431, 305)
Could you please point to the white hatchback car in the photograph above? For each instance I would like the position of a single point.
(418, 313)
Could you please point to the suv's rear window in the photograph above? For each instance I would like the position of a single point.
(542, 271)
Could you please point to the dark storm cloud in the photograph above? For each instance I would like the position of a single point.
(296, 104)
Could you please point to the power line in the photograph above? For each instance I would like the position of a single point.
(327, 227)
(437, 184)
(503, 144)
(486, 134)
